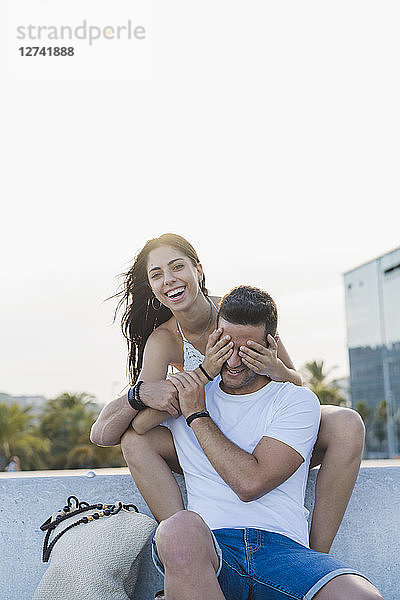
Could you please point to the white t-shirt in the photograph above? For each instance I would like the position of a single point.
(282, 411)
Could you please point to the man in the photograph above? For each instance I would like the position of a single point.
(244, 444)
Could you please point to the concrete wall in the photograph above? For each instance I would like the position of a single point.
(369, 537)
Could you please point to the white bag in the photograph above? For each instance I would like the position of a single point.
(96, 560)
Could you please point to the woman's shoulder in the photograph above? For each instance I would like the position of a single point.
(165, 338)
(216, 300)
(167, 328)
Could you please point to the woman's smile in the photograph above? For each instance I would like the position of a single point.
(176, 294)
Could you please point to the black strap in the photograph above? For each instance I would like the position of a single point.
(202, 369)
(196, 415)
(134, 397)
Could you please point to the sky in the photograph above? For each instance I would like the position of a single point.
(266, 133)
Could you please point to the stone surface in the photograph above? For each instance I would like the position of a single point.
(368, 539)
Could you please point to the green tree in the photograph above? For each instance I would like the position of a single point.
(381, 411)
(66, 422)
(379, 423)
(19, 436)
(364, 410)
(316, 377)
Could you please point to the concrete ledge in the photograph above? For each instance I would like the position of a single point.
(368, 540)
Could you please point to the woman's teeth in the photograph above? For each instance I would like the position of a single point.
(176, 293)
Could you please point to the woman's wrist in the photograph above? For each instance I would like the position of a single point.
(279, 372)
(201, 374)
(282, 373)
(209, 369)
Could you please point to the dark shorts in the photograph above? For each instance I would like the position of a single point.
(260, 565)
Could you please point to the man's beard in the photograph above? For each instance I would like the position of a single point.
(244, 378)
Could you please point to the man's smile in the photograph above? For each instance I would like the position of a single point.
(236, 371)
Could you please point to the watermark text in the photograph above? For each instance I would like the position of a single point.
(84, 32)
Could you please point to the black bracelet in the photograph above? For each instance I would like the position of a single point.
(202, 413)
(202, 369)
(134, 397)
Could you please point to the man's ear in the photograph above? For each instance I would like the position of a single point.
(276, 338)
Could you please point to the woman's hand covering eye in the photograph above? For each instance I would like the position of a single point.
(219, 349)
(259, 358)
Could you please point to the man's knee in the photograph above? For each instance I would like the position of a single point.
(348, 586)
(184, 539)
(373, 595)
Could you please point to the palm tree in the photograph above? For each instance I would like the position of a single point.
(364, 410)
(316, 377)
(88, 455)
(66, 421)
(18, 436)
(381, 411)
(379, 423)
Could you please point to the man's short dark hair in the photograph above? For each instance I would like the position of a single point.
(245, 305)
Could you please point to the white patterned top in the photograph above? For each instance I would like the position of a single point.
(191, 356)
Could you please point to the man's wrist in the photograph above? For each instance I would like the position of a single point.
(193, 409)
(197, 415)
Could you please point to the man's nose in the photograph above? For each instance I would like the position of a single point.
(234, 361)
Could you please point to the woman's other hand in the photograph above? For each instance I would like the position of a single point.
(218, 350)
(162, 396)
(260, 359)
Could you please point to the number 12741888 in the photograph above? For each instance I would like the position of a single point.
(47, 51)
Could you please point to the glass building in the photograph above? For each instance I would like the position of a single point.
(372, 296)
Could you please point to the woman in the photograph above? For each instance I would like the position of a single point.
(167, 321)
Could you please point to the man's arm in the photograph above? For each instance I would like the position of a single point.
(250, 475)
(156, 392)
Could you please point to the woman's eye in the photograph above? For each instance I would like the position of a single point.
(155, 275)
(179, 266)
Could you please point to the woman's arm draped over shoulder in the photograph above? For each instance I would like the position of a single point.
(287, 370)
(117, 415)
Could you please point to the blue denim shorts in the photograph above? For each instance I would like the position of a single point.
(260, 565)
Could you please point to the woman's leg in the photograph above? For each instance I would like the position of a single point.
(151, 457)
(339, 450)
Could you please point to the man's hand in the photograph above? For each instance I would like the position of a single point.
(258, 358)
(162, 396)
(190, 390)
(218, 350)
